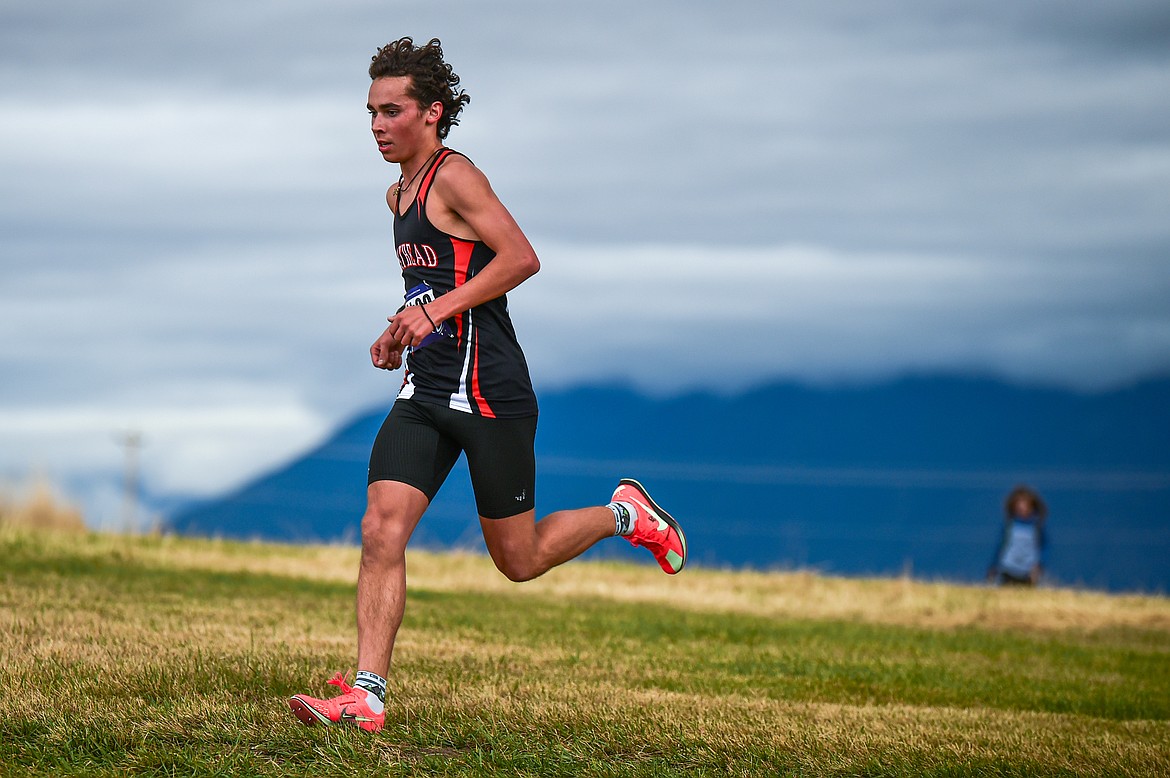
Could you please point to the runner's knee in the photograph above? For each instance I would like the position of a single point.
(386, 527)
(516, 568)
(518, 561)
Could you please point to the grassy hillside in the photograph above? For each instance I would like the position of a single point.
(153, 656)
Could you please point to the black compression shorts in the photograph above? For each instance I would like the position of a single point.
(419, 443)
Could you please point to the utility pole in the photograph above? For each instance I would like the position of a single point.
(132, 442)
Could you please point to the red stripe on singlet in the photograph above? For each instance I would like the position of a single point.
(484, 409)
(462, 250)
(424, 188)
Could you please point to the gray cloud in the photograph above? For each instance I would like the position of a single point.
(193, 239)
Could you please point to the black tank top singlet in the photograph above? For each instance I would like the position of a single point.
(481, 370)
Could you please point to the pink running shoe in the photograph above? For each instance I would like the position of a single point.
(350, 707)
(654, 528)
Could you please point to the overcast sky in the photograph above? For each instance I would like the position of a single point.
(195, 244)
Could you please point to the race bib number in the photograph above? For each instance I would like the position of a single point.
(421, 295)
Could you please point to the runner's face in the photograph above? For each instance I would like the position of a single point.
(400, 125)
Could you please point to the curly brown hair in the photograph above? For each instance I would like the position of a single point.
(431, 79)
(1039, 509)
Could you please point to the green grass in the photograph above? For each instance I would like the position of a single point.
(150, 656)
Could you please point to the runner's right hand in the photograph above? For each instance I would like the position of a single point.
(386, 353)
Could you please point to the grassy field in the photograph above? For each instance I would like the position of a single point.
(162, 656)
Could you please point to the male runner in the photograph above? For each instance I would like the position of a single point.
(466, 387)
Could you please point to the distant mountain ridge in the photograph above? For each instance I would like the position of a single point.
(903, 476)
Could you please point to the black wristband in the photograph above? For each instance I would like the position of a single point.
(432, 321)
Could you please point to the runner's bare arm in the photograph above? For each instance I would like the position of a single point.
(463, 204)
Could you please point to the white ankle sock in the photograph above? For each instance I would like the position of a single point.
(375, 685)
(374, 701)
(624, 516)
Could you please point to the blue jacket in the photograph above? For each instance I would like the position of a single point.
(1021, 547)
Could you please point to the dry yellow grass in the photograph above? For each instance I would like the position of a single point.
(809, 595)
(39, 509)
(484, 686)
(898, 601)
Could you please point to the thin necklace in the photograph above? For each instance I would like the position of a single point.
(399, 189)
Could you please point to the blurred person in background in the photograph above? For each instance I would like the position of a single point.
(1019, 555)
